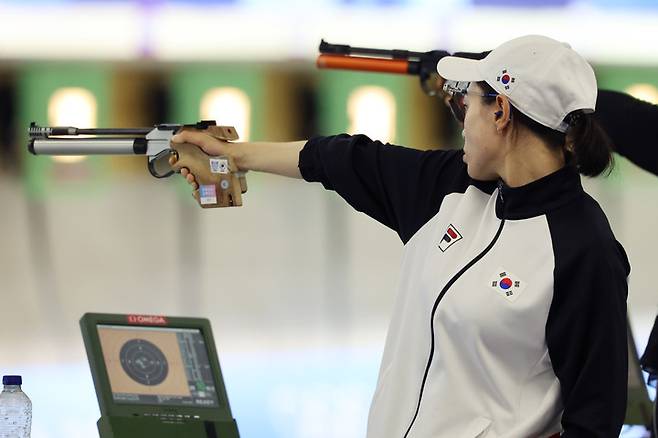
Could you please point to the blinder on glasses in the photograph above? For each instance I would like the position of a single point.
(457, 90)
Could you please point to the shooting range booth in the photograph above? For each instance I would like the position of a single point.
(156, 376)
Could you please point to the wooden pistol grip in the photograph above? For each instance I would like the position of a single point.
(243, 181)
(226, 133)
(219, 186)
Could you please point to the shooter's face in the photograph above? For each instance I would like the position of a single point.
(482, 150)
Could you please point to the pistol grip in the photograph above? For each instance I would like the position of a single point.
(219, 183)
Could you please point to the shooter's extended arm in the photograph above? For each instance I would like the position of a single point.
(221, 184)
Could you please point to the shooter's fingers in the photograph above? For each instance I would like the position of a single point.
(210, 145)
(190, 178)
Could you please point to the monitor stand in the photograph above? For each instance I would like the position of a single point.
(145, 427)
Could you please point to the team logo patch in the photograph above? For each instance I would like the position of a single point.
(506, 79)
(507, 284)
(450, 237)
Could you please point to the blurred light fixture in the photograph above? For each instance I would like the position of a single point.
(228, 106)
(72, 106)
(371, 111)
(646, 92)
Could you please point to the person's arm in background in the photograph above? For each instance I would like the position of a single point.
(399, 187)
(632, 125)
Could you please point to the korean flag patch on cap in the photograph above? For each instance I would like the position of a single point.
(506, 79)
(506, 284)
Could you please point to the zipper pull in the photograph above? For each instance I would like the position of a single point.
(500, 191)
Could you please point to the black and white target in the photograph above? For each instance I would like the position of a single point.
(144, 362)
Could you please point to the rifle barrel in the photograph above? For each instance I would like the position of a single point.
(343, 49)
(400, 66)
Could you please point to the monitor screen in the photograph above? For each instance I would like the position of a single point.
(157, 366)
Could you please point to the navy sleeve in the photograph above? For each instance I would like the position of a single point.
(632, 125)
(649, 360)
(586, 330)
(400, 187)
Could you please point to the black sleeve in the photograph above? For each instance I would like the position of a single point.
(400, 187)
(632, 125)
(649, 360)
(586, 332)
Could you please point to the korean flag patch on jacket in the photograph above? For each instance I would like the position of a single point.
(507, 285)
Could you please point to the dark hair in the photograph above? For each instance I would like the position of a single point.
(585, 144)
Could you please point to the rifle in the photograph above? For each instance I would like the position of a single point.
(221, 184)
(422, 64)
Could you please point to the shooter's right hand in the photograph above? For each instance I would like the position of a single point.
(209, 144)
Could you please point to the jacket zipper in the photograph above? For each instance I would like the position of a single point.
(443, 292)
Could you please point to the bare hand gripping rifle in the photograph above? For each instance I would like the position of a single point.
(221, 184)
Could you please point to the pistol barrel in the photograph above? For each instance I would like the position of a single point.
(87, 146)
(36, 131)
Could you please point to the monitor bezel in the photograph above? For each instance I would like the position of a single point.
(108, 406)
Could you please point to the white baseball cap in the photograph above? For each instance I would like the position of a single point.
(543, 78)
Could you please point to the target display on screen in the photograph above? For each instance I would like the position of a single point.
(157, 365)
(144, 362)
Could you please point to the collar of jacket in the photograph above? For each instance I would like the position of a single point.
(540, 196)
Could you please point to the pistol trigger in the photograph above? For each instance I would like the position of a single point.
(174, 153)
